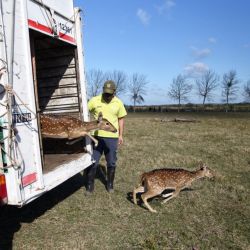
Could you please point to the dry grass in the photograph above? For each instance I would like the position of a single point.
(214, 215)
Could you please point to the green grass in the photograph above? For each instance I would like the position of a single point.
(213, 215)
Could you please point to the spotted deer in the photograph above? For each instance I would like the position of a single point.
(67, 127)
(153, 183)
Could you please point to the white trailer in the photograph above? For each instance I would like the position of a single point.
(41, 71)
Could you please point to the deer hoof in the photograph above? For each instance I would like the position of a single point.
(153, 211)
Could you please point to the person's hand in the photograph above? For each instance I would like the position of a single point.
(120, 140)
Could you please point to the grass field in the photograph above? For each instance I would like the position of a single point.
(214, 214)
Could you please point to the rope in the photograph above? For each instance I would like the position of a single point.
(3, 114)
(50, 18)
(11, 91)
(13, 163)
(11, 132)
(2, 70)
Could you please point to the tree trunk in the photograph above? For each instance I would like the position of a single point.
(204, 99)
(227, 104)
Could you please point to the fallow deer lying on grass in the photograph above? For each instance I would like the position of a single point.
(153, 183)
(67, 127)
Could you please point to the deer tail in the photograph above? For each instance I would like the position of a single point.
(142, 178)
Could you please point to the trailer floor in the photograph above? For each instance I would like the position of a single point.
(58, 152)
(52, 161)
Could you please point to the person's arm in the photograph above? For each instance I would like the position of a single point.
(121, 129)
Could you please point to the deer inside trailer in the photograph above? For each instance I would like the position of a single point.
(41, 71)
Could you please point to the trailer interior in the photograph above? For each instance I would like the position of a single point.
(57, 91)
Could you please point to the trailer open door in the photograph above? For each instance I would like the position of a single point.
(44, 73)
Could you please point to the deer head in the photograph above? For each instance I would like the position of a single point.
(104, 124)
(206, 171)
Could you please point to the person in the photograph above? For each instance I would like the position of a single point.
(114, 111)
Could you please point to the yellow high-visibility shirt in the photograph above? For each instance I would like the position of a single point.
(111, 111)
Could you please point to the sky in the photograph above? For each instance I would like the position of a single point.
(164, 38)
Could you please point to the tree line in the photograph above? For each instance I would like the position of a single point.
(179, 90)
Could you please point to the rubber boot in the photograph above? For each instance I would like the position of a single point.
(90, 173)
(110, 179)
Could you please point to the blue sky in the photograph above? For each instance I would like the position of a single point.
(164, 38)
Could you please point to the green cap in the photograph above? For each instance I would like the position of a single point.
(109, 87)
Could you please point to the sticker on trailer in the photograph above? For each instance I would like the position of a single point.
(21, 115)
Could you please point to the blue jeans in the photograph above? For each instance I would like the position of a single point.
(108, 146)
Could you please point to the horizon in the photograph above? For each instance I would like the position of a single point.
(189, 103)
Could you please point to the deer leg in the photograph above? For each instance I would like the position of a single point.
(73, 141)
(140, 189)
(73, 135)
(93, 139)
(146, 196)
(174, 194)
(167, 195)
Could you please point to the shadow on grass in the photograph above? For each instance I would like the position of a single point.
(12, 218)
(139, 201)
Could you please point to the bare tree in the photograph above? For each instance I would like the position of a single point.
(120, 79)
(229, 86)
(137, 88)
(246, 92)
(179, 89)
(206, 85)
(95, 79)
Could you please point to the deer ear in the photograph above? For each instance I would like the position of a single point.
(100, 117)
(201, 165)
